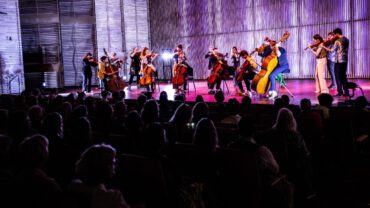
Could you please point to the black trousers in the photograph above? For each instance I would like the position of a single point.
(341, 77)
(247, 78)
(133, 74)
(87, 80)
(218, 84)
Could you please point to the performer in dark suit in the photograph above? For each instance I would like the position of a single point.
(87, 62)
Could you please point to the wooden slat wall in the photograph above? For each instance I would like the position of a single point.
(78, 33)
(201, 24)
(11, 60)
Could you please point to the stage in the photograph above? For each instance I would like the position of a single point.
(299, 88)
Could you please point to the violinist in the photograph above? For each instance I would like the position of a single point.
(214, 77)
(246, 72)
(272, 47)
(87, 62)
(134, 67)
(340, 48)
(235, 58)
(147, 69)
(331, 59)
(321, 64)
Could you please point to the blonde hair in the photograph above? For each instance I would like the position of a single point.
(285, 121)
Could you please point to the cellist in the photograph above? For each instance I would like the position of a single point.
(147, 69)
(246, 73)
(214, 59)
(180, 69)
(272, 47)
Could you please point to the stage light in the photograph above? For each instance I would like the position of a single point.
(44, 84)
(167, 55)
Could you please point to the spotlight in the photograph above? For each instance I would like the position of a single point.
(167, 55)
(44, 84)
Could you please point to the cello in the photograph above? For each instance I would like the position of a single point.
(217, 70)
(115, 83)
(179, 76)
(148, 76)
(260, 82)
(239, 76)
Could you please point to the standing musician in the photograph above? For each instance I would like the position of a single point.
(271, 47)
(235, 59)
(216, 65)
(134, 67)
(331, 59)
(341, 61)
(87, 62)
(246, 72)
(321, 64)
(147, 69)
(102, 73)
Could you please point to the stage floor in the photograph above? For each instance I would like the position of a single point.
(299, 88)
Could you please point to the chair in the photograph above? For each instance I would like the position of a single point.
(280, 79)
(353, 86)
(191, 78)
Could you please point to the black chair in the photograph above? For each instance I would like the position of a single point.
(191, 78)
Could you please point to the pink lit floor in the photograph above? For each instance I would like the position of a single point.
(299, 88)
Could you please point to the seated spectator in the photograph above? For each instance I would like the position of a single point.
(150, 112)
(19, 127)
(325, 103)
(200, 110)
(141, 100)
(205, 135)
(245, 106)
(33, 187)
(232, 109)
(4, 119)
(178, 128)
(36, 114)
(134, 127)
(199, 98)
(94, 169)
(164, 111)
(153, 142)
(290, 151)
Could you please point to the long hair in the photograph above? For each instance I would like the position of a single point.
(182, 115)
(285, 121)
(143, 52)
(205, 135)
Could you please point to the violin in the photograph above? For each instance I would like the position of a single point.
(327, 43)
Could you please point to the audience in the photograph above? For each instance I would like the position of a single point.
(35, 169)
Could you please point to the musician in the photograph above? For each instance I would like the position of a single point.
(272, 47)
(235, 57)
(331, 60)
(341, 61)
(103, 74)
(214, 57)
(321, 64)
(180, 58)
(147, 69)
(134, 67)
(248, 72)
(87, 62)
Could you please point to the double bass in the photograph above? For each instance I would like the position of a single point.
(115, 83)
(217, 69)
(260, 82)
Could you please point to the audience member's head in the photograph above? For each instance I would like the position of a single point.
(80, 111)
(246, 104)
(104, 94)
(133, 122)
(104, 111)
(36, 114)
(306, 105)
(200, 110)
(285, 121)
(163, 98)
(34, 152)
(53, 126)
(116, 96)
(4, 116)
(182, 115)
(153, 140)
(180, 97)
(199, 98)
(233, 106)
(278, 104)
(120, 109)
(325, 100)
(205, 135)
(81, 132)
(141, 100)
(96, 164)
(148, 95)
(360, 103)
(219, 96)
(246, 127)
(286, 100)
(19, 125)
(150, 112)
